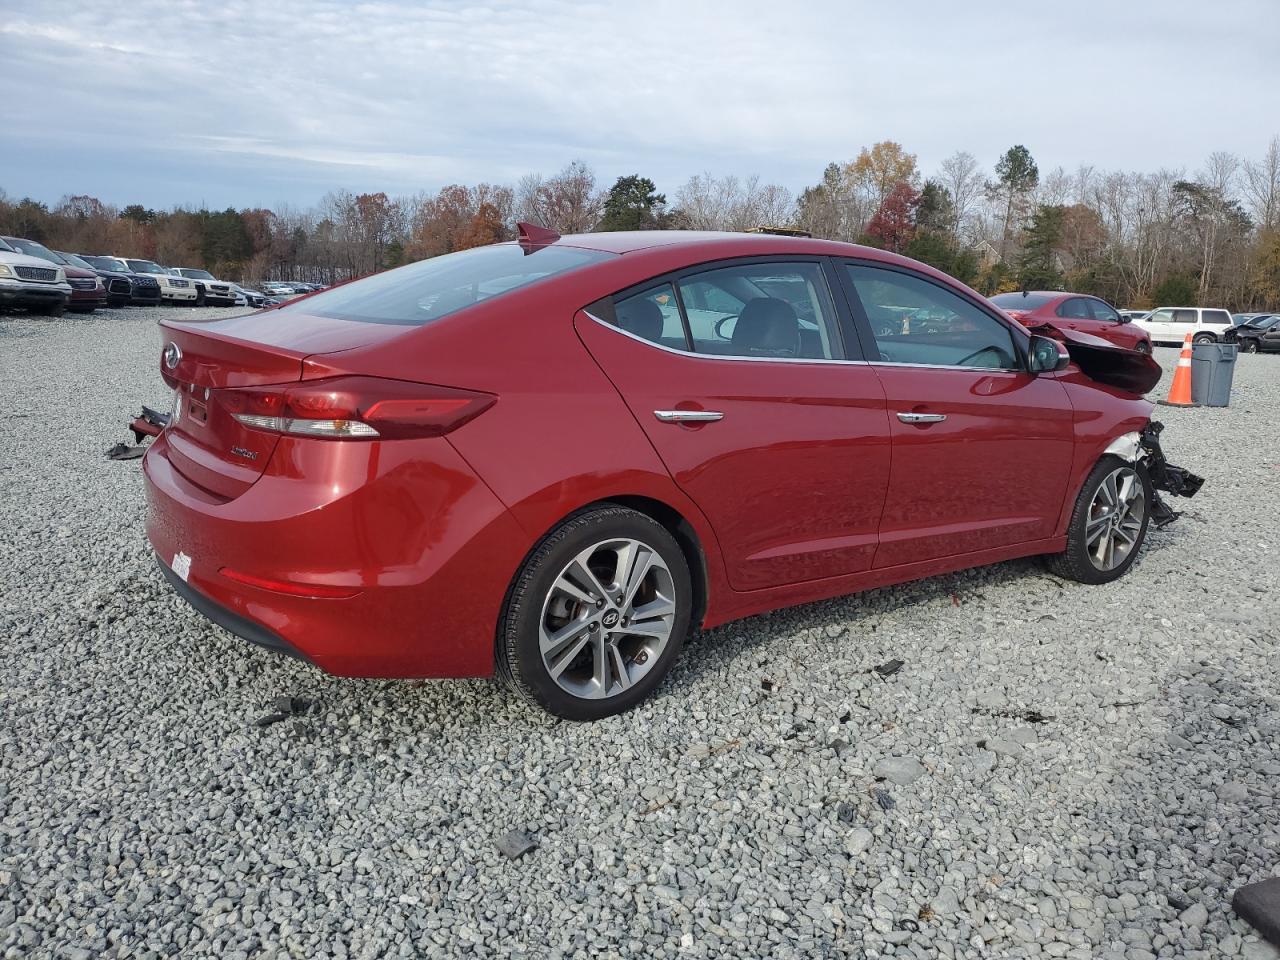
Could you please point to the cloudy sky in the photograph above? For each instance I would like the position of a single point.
(234, 102)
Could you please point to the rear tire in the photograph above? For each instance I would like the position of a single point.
(1204, 338)
(596, 616)
(1108, 524)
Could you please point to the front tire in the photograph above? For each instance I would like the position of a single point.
(1249, 346)
(597, 615)
(1143, 347)
(1108, 525)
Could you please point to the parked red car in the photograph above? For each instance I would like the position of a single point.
(87, 290)
(1074, 311)
(552, 458)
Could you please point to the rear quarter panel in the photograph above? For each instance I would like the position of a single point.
(560, 436)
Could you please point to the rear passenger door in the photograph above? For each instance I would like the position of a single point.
(981, 447)
(742, 380)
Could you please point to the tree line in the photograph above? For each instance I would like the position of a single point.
(1210, 236)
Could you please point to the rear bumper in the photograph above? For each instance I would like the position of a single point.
(426, 550)
(229, 620)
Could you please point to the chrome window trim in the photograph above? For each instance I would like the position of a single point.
(715, 356)
(943, 366)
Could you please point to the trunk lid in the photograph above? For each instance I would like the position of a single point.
(207, 445)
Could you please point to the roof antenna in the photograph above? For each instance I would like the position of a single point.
(532, 235)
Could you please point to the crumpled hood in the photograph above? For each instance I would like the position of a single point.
(1105, 362)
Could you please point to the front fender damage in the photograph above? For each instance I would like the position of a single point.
(1175, 481)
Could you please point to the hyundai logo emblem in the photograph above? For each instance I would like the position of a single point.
(610, 619)
(172, 355)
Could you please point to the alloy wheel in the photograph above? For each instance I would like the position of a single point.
(607, 619)
(1115, 518)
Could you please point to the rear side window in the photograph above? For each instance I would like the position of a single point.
(653, 315)
(1184, 316)
(1075, 309)
(430, 289)
(777, 310)
(916, 321)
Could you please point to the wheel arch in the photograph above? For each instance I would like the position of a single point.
(671, 519)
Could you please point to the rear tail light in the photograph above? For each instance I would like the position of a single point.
(354, 408)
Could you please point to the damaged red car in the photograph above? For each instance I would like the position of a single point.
(1074, 311)
(551, 459)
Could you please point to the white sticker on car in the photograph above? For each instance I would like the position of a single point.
(181, 565)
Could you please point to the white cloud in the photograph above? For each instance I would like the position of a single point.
(244, 99)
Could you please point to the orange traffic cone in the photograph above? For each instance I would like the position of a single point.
(1180, 391)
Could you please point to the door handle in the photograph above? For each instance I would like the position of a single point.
(922, 417)
(688, 416)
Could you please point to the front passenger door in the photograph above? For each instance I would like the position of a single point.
(981, 448)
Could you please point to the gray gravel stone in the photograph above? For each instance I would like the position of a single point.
(899, 770)
(142, 814)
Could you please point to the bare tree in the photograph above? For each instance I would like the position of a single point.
(1262, 186)
(963, 180)
(566, 203)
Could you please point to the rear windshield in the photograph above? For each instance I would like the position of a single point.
(1023, 301)
(430, 289)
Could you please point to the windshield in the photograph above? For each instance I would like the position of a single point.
(33, 249)
(145, 266)
(75, 261)
(430, 289)
(1023, 301)
(102, 263)
(196, 274)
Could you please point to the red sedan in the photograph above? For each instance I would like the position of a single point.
(1074, 311)
(553, 458)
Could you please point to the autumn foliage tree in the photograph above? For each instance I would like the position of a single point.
(894, 222)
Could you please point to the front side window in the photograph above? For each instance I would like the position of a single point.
(1160, 316)
(1103, 312)
(772, 310)
(653, 315)
(916, 321)
(430, 289)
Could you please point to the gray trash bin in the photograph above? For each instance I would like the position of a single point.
(1212, 367)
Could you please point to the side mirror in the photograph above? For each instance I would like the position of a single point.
(1125, 318)
(1046, 355)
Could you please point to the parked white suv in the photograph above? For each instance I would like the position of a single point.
(209, 289)
(37, 285)
(1172, 324)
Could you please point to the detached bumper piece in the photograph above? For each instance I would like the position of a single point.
(1175, 481)
(147, 424)
(1258, 904)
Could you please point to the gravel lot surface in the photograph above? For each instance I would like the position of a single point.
(1055, 770)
